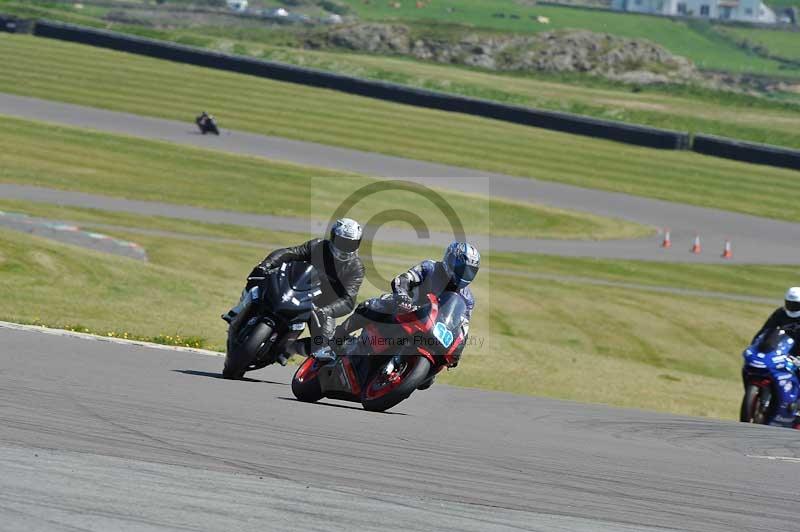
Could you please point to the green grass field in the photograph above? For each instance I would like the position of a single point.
(112, 80)
(697, 40)
(74, 159)
(735, 280)
(772, 120)
(689, 39)
(693, 110)
(565, 339)
(783, 44)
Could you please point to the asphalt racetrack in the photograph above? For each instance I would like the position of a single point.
(755, 240)
(101, 436)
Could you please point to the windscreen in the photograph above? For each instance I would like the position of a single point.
(771, 340)
(452, 309)
(303, 276)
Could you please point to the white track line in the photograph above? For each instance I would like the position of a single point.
(791, 459)
(113, 340)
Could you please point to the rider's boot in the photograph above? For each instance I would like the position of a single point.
(325, 355)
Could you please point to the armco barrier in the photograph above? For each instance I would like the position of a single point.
(564, 122)
(12, 24)
(747, 151)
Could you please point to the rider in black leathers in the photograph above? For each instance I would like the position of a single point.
(341, 273)
(788, 314)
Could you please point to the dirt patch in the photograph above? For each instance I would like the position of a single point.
(45, 261)
(629, 104)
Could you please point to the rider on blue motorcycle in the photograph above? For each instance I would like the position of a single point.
(341, 273)
(454, 272)
(788, 314)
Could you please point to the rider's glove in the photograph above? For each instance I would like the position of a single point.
(320, 315)
(262, 269)
(257, 275)
(457, 354)
(404, 303)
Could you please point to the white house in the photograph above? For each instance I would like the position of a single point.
(742, 10)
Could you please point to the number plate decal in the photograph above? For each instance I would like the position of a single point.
(444, 336)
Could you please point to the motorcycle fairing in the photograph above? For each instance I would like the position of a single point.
(340, 380)
(292, 290)
(767, 364)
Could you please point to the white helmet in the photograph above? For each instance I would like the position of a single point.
(345, 238)
(791, 302)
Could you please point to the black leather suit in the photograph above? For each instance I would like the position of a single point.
(341, 281)
(779, 318)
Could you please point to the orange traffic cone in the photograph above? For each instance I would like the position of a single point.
(667, 243)
(696, 247)
(727, 253)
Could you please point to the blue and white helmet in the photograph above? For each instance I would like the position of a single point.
(791, 302)
(345, 238)
(461, 262)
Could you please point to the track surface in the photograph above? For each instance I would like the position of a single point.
(100, 436)
(755, 240)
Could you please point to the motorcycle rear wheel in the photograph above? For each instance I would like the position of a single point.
(752, 410)
(242, 353)
(380, 395)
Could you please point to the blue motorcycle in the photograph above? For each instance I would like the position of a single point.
(771, 384)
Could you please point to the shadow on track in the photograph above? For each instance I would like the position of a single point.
(346, 407)
(219, 376)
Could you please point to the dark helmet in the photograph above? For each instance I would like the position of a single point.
(345, 238)
(461, 262)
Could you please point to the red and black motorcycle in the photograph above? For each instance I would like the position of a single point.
(390, 360)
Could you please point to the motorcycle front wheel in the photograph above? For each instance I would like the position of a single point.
(755, 404)
(383, 391)
(305, 384)
(242, 351)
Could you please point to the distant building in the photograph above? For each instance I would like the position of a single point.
(741, 10)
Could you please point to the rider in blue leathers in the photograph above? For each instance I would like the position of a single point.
(454, 272)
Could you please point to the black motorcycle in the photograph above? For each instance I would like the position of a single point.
(207, 124)
(280, 305)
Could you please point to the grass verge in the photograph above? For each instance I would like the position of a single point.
(112, 80)
(675, 107)
(79, 160)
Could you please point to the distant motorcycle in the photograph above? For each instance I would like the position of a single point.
(389, 361)
(280, 305)
(770, 377)
(207, 124)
